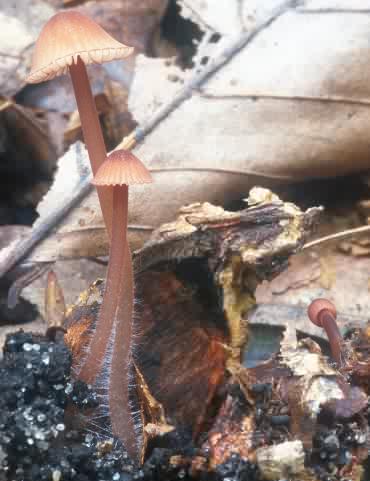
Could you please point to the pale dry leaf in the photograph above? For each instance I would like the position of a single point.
(221, 17)
(20, 23)
(294, 102)
(71, 168)
(82, 234)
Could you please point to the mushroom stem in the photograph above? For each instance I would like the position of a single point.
(113, 295)
(121, 372)
(323, 314)
(330, 326)
(114, 325)
(92, 132)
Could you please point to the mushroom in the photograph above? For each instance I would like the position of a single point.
(69, 41)
(115, 320)
(323, 313)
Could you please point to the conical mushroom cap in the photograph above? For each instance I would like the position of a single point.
(122, 167)
(66, 36)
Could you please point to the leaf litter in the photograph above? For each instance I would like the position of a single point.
(335, 440)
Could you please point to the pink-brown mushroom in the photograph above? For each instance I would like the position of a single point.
(115, 321)
(68, 42)
(323, 314)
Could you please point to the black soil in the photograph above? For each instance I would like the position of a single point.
(36, 443)
(38, 396)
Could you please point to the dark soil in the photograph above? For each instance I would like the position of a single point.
(38, 396)
(36, 443)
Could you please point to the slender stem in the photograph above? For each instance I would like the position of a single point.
(93, 361)
(114, 325)
(115, 317)
(92, 133)
(330, 326)
(121, 372)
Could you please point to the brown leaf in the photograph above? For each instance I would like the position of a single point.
(28, 155)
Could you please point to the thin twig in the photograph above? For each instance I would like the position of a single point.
(338, 236)
(336, 99)
(50, 222)
(321, 11)
(213, 170)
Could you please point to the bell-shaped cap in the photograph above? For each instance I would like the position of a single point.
(66, 36)
(122, 167)
(316, 307)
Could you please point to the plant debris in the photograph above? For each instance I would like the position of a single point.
(207, 410)
(205, 415)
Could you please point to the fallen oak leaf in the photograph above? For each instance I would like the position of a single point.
(285, 116)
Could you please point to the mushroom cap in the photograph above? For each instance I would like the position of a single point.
(316, 307)
(66, 36)
(122, 167)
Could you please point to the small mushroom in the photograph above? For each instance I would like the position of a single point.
(323, 314)
(69, 41)
(115, 321)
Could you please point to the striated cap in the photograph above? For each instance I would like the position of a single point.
(122, 167)
(66, 36)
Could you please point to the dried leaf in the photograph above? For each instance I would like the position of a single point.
(20, 23)
(28, 155)
(271, 109)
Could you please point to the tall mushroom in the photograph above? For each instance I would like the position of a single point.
(114, 324)
(69, 41)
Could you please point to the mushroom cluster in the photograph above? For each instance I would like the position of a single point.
(68, 42)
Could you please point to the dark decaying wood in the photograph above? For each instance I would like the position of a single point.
(294, 416)
(195, 282)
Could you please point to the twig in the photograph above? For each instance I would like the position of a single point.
(338, 236)
(50, 222)
(212, 170)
